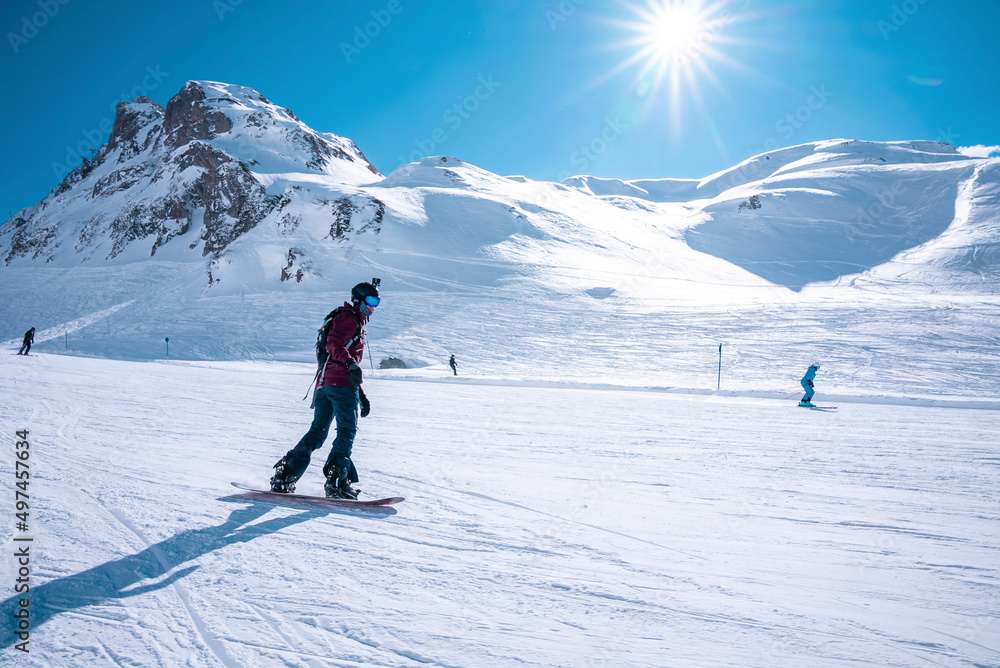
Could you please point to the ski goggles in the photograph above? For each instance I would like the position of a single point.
(372, 301)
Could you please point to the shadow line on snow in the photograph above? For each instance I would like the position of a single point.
(803, 236)
(125, 577)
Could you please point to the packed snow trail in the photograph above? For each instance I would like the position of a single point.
(870, 345)
(542, 526)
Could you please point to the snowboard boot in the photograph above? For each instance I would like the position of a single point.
(283, 480)
(338, 484)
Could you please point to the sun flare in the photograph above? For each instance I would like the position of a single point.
(677, 34)
(673, 32)
(672, 47)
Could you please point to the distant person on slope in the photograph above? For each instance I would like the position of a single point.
(29, 338)
(453, 364)
(338, 393)
(807, 385)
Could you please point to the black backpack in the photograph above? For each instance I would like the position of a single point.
(322, 355)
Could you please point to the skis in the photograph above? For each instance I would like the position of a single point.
(277, 497)
(819, 408)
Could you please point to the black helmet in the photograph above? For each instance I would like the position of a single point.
(362, 290)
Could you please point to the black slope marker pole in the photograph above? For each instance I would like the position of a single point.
(719, 384)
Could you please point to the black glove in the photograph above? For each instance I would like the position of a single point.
(366, 406)
(808, 381)
(353, 372)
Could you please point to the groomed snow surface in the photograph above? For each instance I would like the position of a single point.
(541, 527)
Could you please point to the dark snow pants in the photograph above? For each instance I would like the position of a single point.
(332, 403)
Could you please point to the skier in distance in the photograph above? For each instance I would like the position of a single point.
(453, 364)
(29, 338)
(807, 385)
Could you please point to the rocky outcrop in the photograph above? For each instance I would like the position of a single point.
(30, 241)
(189, 167)
(357, 215)
(234, 200)
(290, 271)
(130, 122)
(392, 363)
(187, 118)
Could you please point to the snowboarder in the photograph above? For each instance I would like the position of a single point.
(29, 338)
(337, 395)
(453, 364)
(807, 385)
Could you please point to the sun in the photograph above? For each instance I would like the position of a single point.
(674, 46)
(672, 32)
(676, 34)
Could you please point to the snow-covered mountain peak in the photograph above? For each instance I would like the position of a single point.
(830, 154)
(209, 167)
(779, 163)
(269, 138)
(241, 191)
(653, 190)
(443, 172)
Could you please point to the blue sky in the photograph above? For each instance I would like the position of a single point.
(543, 89)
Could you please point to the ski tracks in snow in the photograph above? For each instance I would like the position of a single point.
(211, 643)
(644, 600)
(542, 527)
(70, 326)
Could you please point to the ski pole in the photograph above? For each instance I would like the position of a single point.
(371, 362)
(312, 385)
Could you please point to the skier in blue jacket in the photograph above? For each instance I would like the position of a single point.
(807, 385)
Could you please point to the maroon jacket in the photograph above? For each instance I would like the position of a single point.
(343, 328)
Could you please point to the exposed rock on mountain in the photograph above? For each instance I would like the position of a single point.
(199, 169)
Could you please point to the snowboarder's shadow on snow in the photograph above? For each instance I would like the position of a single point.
(118, 579)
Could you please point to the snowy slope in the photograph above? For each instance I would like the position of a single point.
(834, 210)
(542, 527)
(582, 494)
(223, 223)
(966, 254)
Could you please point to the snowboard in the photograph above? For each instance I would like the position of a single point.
(321, 500)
